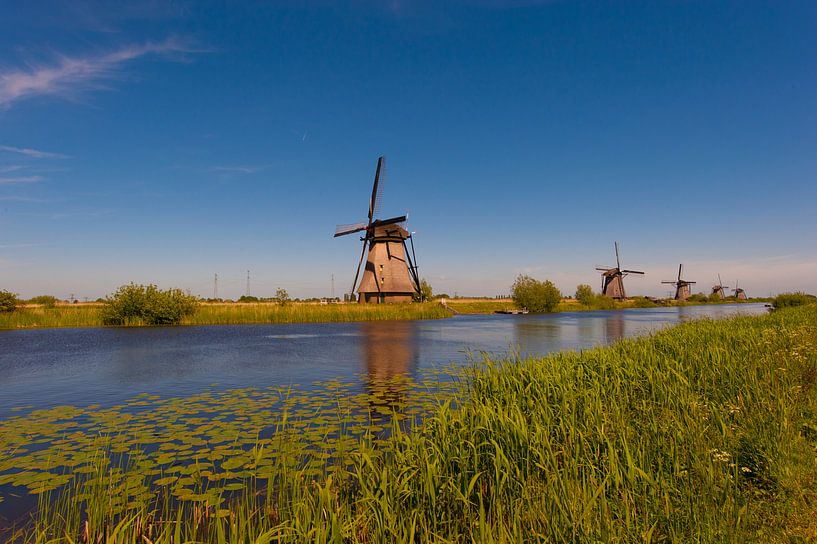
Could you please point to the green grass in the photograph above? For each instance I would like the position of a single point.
(230, 314)
(705, 432)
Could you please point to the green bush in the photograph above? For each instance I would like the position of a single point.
(8, 301)
(585, 295)
(426, 292)
(49, 301)
(248, 298)
(537, 296)
(643, 302)
(134, 304)
(785, 300)
(698, 297)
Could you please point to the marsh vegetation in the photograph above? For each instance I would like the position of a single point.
(703, 432)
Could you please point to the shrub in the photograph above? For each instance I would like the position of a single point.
(282, 297)
(584, 294)
(537, 296)
(426, 293)
(698, 297)
(139, 304)
(785, 300)
(48, 301)
(643, 302)
(247, 298)
(8, 301)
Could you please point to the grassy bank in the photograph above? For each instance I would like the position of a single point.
(88, 315)
(704, 432)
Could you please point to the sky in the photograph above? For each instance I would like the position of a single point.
(166, 142)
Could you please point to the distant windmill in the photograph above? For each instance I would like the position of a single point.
(740, 294)
(720, 289)
(612, 284)
(390, 274)
(682, 291)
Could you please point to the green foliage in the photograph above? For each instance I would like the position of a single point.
(426, 293)
(8, 301)
(715, 297)
(48, 301)
(537, 296)
(698, 298)
(643, 302)
(282, 297)
(247, 298)
(787, 300)
(585, 295)
(134, 304)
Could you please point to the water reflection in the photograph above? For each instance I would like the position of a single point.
(390, 353)
(614, 327)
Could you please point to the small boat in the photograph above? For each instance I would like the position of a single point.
(511, 312)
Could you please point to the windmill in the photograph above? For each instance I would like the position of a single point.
(720, 289)
(740, 294)
(612, 284)
(681, 286)
(390, 274)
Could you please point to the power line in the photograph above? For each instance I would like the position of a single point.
(248, 283)
(215, 286)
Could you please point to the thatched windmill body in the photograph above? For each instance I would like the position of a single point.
(390, 274)
(720, 289)
(682, 290)
(740, 294)
(612, 284)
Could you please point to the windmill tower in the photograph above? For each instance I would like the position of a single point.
(612, 284)
(720, 289)
(740, 294)
(682, 290)
(390, 274)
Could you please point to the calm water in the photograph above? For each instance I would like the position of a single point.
(44, 368)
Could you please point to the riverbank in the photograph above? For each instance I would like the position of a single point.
(490, 305)
(703, 432)
(84, 315)
(88, 315)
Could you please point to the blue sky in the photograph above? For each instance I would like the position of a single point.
(168, 141)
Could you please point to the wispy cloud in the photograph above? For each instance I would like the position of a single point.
(19, 199)
(72, 75)
(33, 153)
(238, 169)
(22, 179)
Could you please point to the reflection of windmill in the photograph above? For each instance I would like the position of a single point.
(720, 288)
(390, 274)
(740, 294)
(681, 286)
(611, 279)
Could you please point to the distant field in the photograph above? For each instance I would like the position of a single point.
(87, 315)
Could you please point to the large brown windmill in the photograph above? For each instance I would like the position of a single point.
(390, 274)
(740, 294)
(720, 289)
(682, 291)
(612, 284)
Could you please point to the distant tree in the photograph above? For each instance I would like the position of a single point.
(282, 297)
(585, 295)
(426, 293)
(698, 297)
(44, 300)
(8, 301)
(534, 295)
(147, 304)
(247, 298)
